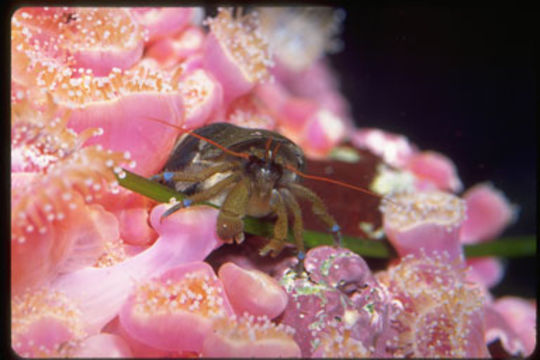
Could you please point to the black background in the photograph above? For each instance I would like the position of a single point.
(457, 80)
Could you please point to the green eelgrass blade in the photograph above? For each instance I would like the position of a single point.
(520, 246)
(508, 247)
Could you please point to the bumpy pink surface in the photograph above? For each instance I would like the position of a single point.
(82, 43)
(175, 329)
(438, 313)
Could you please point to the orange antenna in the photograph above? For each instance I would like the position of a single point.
(267, 147)
(191, 133)
(274, 152)
(332, 181)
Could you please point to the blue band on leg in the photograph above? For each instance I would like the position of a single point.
(187, 202)
(335, 228)
(301, 255)
(167, 175)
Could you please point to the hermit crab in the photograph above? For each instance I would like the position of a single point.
(245, 171)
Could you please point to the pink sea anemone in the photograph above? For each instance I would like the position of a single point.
(236, 53)
(434, 170)
(131, 211)
(246, 111)
(114, 102)
(248, 336)
(108, 99)
(94, 39)
(62, 179)
(438, 312)
(176, 311)
(310, 34)
(185, 236)
(424, 222)
(202, 95)
(43, 323)
(488, 213)
(170, 51)
(430, 170)
(340, 298)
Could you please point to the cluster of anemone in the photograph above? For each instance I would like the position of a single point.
(97, 273)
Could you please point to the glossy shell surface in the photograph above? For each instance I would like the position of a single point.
(189, 149)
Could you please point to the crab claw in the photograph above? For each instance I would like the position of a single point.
(275, 246)
(239, 238)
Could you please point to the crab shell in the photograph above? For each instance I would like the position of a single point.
(192, 154)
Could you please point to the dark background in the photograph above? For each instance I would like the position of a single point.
(457, 80)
